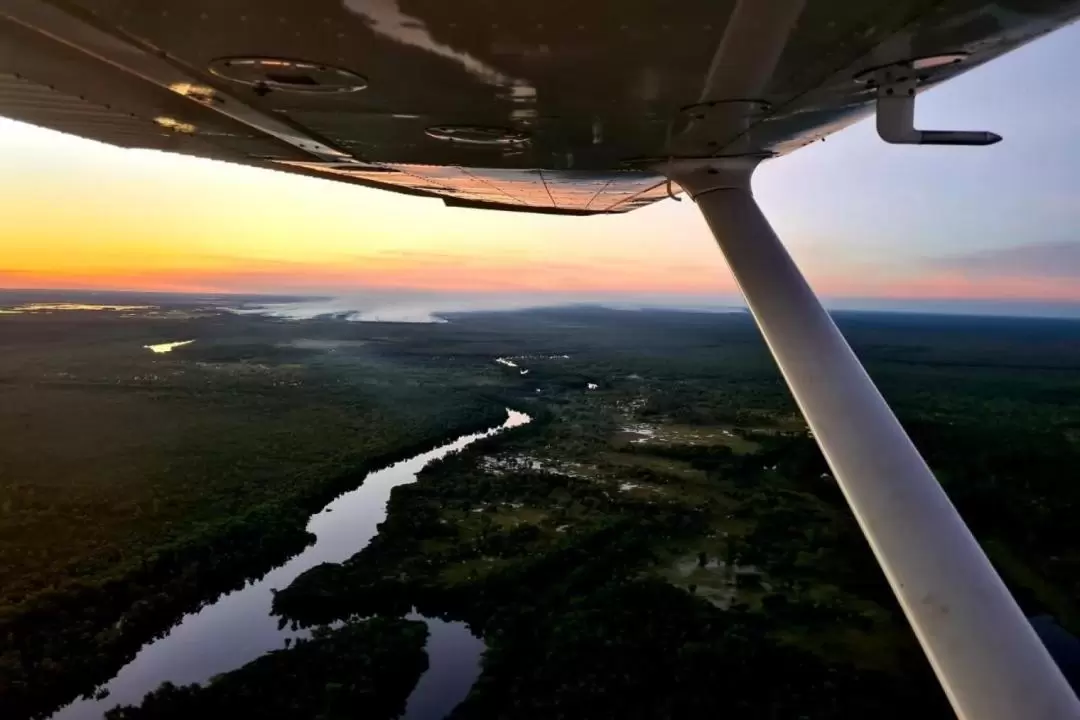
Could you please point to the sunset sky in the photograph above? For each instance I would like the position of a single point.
(864, 219)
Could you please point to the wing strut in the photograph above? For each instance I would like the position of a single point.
(984, 651)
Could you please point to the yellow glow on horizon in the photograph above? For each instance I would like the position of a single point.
(142, 220)
(79, 214)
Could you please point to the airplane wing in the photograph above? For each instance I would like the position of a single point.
(556, 107)
(576, 107)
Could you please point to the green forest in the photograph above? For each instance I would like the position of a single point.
(664, 539)
(137, 487)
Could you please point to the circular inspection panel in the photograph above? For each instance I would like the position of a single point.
(287, 75)
(748, 108)
(477, 135)
(924, 66)
(935, 61)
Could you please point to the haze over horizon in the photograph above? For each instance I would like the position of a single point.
(874, 226)
(419, 306)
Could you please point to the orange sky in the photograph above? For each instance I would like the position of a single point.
(862, 218)
(83, 215)
(79, 214)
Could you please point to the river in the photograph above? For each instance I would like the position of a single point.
(239, 627)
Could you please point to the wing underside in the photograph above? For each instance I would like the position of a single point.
(560, 107)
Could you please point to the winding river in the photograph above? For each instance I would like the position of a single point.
(239, 627)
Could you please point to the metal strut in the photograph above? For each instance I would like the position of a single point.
(984, 651)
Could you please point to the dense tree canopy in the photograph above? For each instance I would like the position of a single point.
(663, 540)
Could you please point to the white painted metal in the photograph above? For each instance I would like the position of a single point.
(897, 86)
(756, 35)
(741, 66)
(982, 648)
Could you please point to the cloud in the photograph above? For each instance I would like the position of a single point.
(1051, 260)
(412, 270)
(1041, 272)
(407, 281)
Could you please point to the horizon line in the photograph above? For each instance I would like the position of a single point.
(959, 307)
(337, 293)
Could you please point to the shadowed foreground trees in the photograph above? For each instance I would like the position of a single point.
(603, 571)
(364, 669)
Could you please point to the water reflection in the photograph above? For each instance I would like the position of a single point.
(453, 666)
(387, 19)
(239, 627)
(167, 347)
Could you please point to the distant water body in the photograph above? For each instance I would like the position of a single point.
(417, 307)
(430, 307)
